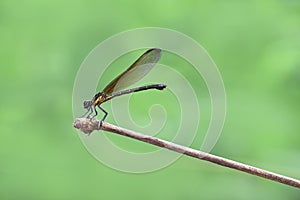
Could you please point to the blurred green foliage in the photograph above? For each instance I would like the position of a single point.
(254, 43)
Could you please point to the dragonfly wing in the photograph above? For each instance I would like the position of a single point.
(135, 72)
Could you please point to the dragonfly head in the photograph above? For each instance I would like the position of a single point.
(87, 104)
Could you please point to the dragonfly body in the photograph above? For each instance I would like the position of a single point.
(133, 74)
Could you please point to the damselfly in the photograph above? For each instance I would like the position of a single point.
(115, 88)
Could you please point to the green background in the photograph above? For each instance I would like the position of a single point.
(255, 45)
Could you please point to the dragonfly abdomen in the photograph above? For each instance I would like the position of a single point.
(146, 87)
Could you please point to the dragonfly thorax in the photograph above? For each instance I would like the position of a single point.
(99, 98)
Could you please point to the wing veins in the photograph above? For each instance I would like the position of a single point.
(135, 72)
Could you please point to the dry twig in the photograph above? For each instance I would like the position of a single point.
(87, 126)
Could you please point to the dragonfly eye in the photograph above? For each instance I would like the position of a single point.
(87, 104)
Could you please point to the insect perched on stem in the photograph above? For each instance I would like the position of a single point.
(133, 74)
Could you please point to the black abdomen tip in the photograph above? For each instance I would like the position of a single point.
(161, 86)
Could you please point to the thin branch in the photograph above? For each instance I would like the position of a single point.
(87, 126)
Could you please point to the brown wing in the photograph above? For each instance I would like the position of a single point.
(135, 72)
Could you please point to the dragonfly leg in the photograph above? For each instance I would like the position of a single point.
(85, 113)
(96, 113)
(103, 118)
(89, 109)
